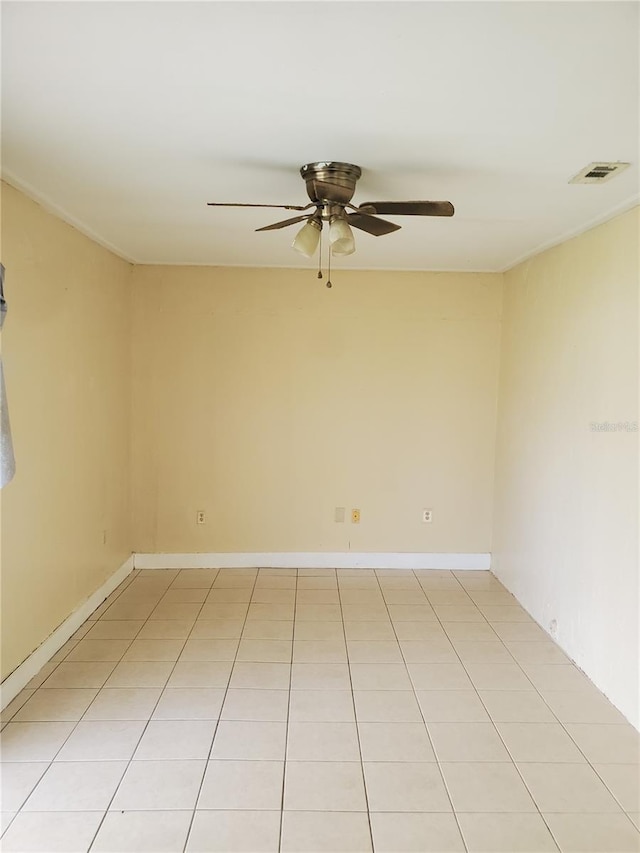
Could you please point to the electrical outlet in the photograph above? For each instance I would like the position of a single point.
(427, 516)
(200, 517)
(339, 515)
(355, 516)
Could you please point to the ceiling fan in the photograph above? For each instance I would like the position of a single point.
(330, 187)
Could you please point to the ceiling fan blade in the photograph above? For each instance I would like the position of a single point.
(371, 224)
(282, 206)
(284, 223)
(409, 208)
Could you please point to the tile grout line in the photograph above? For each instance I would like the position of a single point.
(435, 754)
(226, 690)
(557, 721)
(355, 715)
(286, 732)
(125, 583)
(568, 733)
(438, 620)
(51, 762)
(513, 761)
(146, 724)
(477, 692)
(516, 663)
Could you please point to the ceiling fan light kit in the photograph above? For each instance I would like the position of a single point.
(330, 187)
(307, 239)
(341, 236)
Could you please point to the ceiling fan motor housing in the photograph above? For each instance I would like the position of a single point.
(330, 182)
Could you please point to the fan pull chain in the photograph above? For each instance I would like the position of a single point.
(329, 269)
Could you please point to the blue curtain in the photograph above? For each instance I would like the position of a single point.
(7, 460)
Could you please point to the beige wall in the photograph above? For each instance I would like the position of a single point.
(566, 509)
(267, 400)
(66, 350)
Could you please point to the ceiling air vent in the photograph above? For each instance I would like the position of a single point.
(598, 173)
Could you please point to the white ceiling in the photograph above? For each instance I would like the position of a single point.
(126, 118)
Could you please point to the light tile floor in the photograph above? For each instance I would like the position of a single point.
(315, 710)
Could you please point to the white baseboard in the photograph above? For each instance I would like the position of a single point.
(313, 560)
(22, 675)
